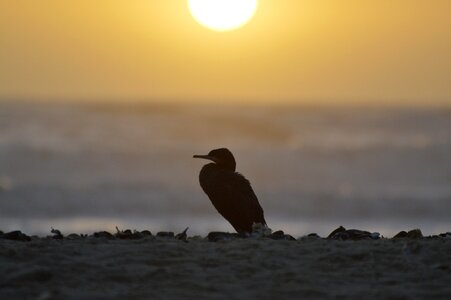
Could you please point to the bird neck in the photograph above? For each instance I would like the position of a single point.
(227, 166)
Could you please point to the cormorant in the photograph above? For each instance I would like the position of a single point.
(230, 192)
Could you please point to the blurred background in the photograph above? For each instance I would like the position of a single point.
(338, 112)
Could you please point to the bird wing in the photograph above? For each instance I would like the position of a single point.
(232, 195)
(254, 210)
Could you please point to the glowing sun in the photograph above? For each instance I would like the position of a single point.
(223, 15)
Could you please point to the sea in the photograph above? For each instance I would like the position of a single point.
(85, 167)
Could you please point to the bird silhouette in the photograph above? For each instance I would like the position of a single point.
(230, 192)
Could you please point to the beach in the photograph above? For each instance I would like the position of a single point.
(252, 268)
(304, 145)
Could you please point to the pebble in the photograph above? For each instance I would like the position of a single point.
(313, 235)
(56, 234)
(128, 234)
(182, 236)
(412, 234)
(73, 236)
(338, 230)
(217, 236)
(146, 233)
(165, 234)
(280, 235)
(342, 233)
(103, 234)
(16, 236)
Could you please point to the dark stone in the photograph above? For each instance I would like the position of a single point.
(128, 234)
(16, 236)
(411, 234)
(146, 233)
(375, 235)
(415, 234)
(182, 236)
(56, 234)
(216, 236)
(400, 235)
(103, 234)
(340, 236)
(446, 235)
(73, 236)
(313, 235)
(165, 234)
(280, 235)
(289, 237)
(355, 234)
(352, 234)
(338, 230)
(136, 235)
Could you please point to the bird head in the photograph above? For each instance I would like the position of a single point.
(222, 157)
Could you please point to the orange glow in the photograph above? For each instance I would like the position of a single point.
(306, 51)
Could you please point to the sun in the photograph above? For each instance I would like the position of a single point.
(223, 15)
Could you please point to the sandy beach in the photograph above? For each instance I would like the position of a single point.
(166, 268)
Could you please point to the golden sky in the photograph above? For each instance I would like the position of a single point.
(306, 51)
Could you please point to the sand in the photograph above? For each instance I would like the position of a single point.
(149, 268)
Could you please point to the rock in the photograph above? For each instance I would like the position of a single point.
(136, 235)
(415, 234)
(280, 235)
(146, 233)
(103, 234)
(340, 236)
(165, 234)
(400, 235)
(313, 235)
(446, 235)
(124, 235)
(16, 236)
(412, 234)
(128, 234)
(73, 236)
(182, 236)
(277, 234)
(354, 234)
(375, 235)
(217, 236)
(56, 234)
(338, 230)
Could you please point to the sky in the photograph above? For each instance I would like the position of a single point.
(301, 51)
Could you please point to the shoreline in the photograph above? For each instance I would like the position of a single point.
(340, 233)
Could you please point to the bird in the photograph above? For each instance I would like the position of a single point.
(229, 191)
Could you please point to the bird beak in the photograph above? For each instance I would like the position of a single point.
(209, 157)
